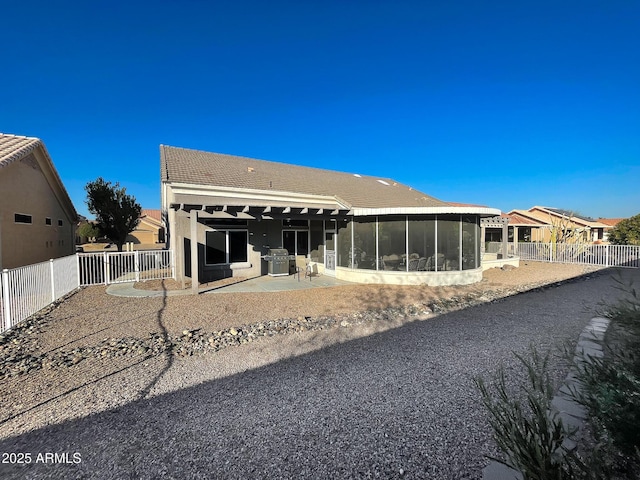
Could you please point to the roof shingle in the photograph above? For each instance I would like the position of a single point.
(14, 147)
(180, 165)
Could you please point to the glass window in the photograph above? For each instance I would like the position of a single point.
(287, 222)
(344, 243)
(216, 248)
(422, 242)
(448, 242)
(302, 243)
(392, 242)
(237, 246)
(470, 242)
(364, 243)
(20, 218)
(59, 223)
(47, 221)
(296, 241)
(317, 241)
(289, 241)
(226, 246)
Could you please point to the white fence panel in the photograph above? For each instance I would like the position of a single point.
(119, 267)
(575, 253)
(26, 290)
(65, 275)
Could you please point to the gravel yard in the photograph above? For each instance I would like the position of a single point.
(383, 391)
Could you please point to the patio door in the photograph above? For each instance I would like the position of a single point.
(330, 252)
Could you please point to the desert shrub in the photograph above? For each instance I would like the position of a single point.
(611, 385)
(526, 430)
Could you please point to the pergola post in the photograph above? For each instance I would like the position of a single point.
(195, 281)
(505, 240)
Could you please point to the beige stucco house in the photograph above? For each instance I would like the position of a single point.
(149, 231)
(223, 213)
(577, 227)
(37, 217)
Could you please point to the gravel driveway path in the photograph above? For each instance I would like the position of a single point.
(368, 401)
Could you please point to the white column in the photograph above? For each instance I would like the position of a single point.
(505, 241)
(195, 281)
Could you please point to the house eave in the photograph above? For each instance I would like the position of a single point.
(441, 210)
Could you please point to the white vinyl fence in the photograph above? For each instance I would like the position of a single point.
(578, 253)
(26, 290)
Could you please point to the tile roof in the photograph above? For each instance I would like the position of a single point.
(14, 147)
(612, 222)
(180, 165)
(518, 220)
(154, 214)
(575, 218)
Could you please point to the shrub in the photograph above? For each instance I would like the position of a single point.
(611, 384)
(525, 429)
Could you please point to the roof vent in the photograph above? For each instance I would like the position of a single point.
(357, 175)
(251, 169)
(383, 182)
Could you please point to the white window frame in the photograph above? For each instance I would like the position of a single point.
(226, 247)
(295, 231)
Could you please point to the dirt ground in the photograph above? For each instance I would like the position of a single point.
(92, 315)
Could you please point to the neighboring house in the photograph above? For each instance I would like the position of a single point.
(149, 230)
(520, 227)
(610, 223)
(37, 218)
(578, 227)
(581, 228)
(225, 212)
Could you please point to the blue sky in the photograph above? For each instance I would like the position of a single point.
(506, 104)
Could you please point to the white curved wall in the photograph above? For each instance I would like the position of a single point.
(432, 279)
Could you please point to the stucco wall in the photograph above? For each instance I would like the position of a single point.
(25, 190)
(432, 279)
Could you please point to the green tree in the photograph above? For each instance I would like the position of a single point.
(626, 232)
(116, 212)
(88, 230)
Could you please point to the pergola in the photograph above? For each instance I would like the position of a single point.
(249, 212)
(496, 222)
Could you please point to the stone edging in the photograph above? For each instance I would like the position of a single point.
(570, 412)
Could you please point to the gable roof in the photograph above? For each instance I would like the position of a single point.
(575, 218)
(153, 216)
(519, 220)
(612, 222)
(195, 167)
(15, 147)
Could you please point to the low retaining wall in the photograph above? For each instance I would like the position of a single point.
(432, 279)
(491, 260)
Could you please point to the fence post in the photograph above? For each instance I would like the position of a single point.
(53, 281)
(78, 269)
(606, 255)
(6, 298)
(136, 256)
(106, 268)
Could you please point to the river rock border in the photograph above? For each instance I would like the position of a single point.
(19, 349)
